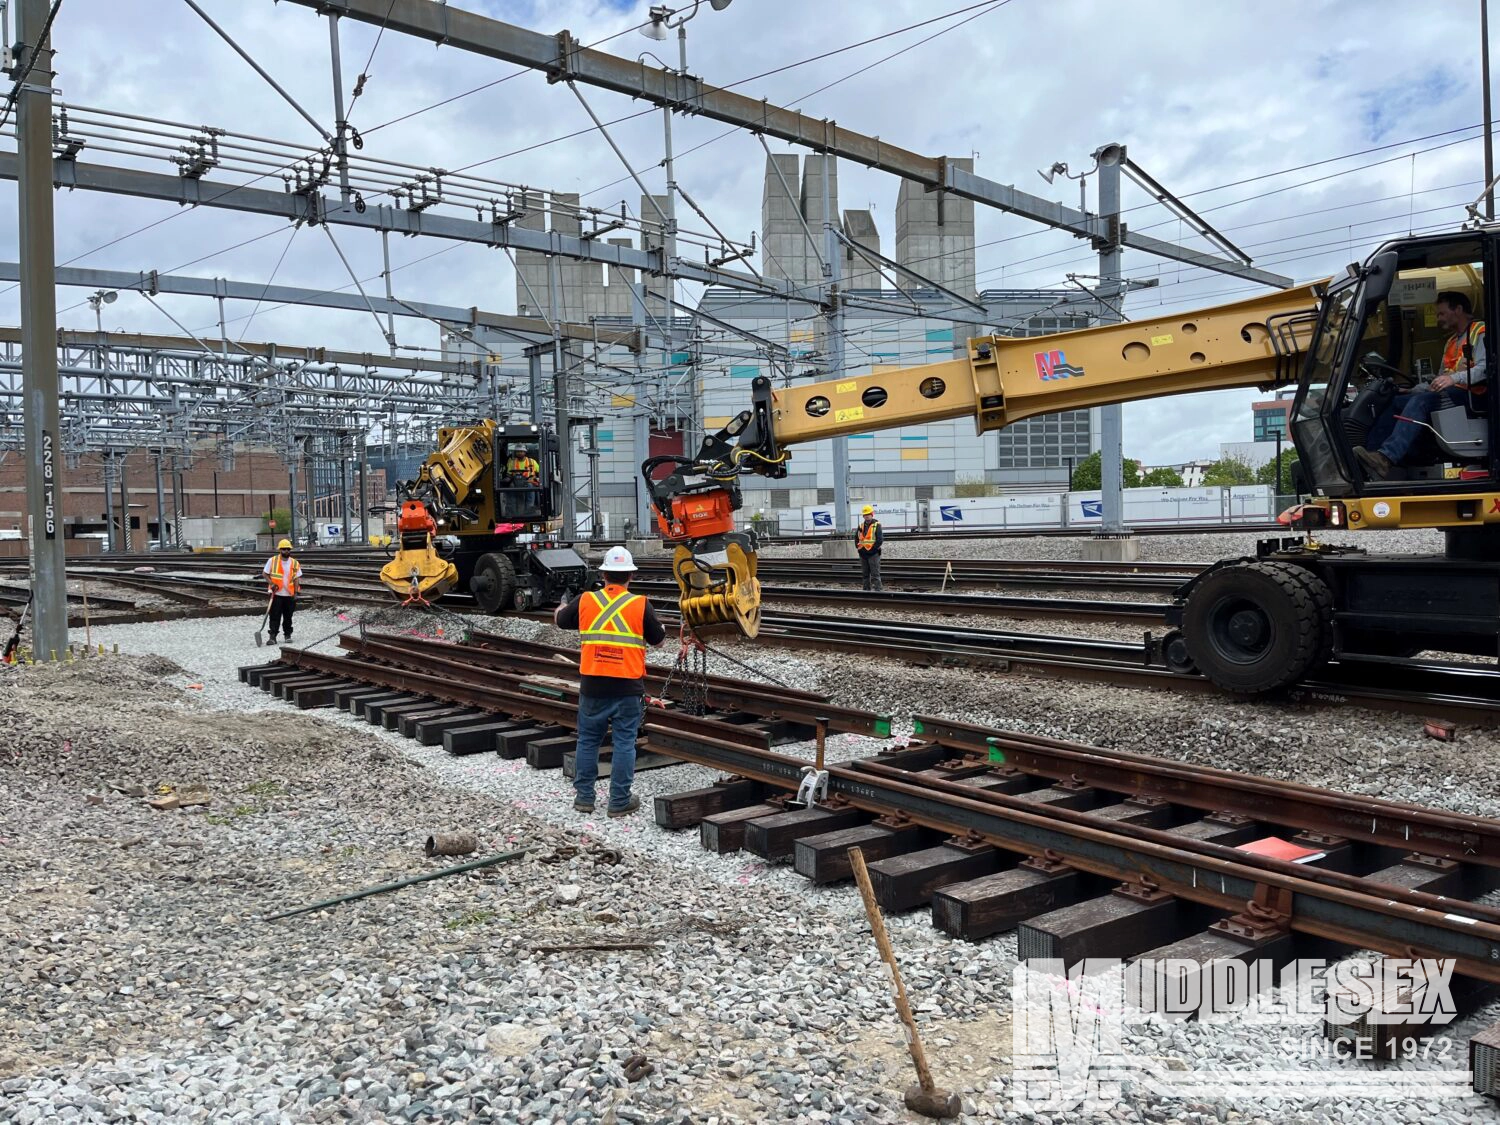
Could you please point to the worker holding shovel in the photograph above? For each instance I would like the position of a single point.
(283, 583)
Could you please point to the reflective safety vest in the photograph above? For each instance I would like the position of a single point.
(867, 533)
(520, 464)
(1456, 363)
(288, 580)
(612, 626)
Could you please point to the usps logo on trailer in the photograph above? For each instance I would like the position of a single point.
(822, 519)
(332, 530)
(950, 513)
(1054, 365)
(1092, 509)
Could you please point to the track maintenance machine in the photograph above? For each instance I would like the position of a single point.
(477, 517)
(1251, 625)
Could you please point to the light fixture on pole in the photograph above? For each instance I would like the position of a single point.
(657, 27)
(661, 20)
(97, 301)
(1061, 169)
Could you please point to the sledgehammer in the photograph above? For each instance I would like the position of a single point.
(925, 1097)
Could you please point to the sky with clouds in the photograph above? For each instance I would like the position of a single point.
(1252, 111)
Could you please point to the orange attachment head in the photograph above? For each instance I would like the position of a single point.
(415, 517)
(696, 515)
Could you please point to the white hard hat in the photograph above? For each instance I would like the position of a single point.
(617, 559)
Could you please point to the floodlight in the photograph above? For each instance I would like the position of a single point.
(719, 5)
(657, 28)
(109, 296)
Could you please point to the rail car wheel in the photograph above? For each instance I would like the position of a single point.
(494, 583)
(1254, 627)
(1175, 652)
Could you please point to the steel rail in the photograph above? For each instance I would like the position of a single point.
(1322, 903)
(493, 654)
(1413, 828)
(544, 702)
(986, 605)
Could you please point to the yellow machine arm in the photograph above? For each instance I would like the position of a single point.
(1004, 379)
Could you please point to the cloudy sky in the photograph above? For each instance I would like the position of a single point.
(1302, 134)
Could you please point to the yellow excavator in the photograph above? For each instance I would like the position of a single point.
(480, 518)
(1353, 346)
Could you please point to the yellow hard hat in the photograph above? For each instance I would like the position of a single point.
(284, 545)
(867, 511)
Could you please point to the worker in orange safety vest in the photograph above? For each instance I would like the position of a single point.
(615, 627)
(868, 542)
(283, 576)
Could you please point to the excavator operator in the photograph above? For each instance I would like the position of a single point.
(522, 468)
(1461, 381)
(522, 476)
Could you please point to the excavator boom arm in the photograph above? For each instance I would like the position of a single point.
(1256, 342)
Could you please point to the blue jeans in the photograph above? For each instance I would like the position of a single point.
(1419, 408)
(623, 716)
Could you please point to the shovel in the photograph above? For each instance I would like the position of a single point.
(259, 640)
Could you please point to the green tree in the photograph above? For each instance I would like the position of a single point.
(1228, 471)
(1162, 478)
(1086, 474)
(282, 518)
(972, 486)
(1266, 474)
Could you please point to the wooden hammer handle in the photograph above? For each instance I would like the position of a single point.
(883, 941)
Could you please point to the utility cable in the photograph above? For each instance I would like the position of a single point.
(988, 6)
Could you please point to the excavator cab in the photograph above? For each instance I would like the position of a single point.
(1366, 422)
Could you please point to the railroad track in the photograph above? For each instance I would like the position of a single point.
(1084, 852)
(942, 574)
(1467, 692)
(1456, 691)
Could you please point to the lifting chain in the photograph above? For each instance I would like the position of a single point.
(692, 666)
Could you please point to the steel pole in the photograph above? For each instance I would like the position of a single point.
(129, 545)
(641, 419)
(161, 509)
(344, 504)
(291, 502)
(833, 328)
(1111, 417)
(364, 487)
(111, 542)
(178, 500)
(564, 445)
(1489, 139)
(41, 422)
(596, 532)
(340, 126)
(534, 381)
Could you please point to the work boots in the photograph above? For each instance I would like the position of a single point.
(1375, 463)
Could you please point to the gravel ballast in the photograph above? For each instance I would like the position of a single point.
(140, 983)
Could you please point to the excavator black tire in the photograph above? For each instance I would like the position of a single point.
(1255, 627)
(494, 583)
(1322, 596)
